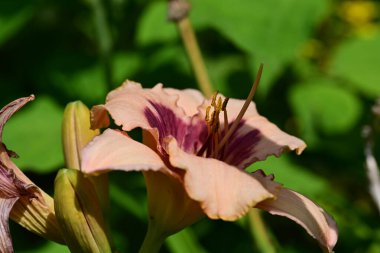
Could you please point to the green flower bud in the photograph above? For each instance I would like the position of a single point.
(79, 214)
(76, 132)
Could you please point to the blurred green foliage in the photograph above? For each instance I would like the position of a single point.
(321, 76)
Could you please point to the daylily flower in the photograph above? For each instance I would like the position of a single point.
(193, 156)
(20, 199)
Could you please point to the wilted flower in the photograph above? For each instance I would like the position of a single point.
(20, 199)
(193, 158)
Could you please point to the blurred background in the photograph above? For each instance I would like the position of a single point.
(321, 77)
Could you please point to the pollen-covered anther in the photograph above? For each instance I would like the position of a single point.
(218, 105)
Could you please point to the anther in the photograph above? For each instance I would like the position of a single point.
(219, 105)
(207, 117)
(224, 105)
(213, 99)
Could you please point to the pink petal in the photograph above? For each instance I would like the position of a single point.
(5, 236)
(114, 150)
(157, 111)
(224, 191)
(189, 99)
(256, 138)
(306, 213)
(127, 104)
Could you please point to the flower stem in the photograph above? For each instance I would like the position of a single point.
(259, 232)
(192, 49)
(372, 168)
(153, 240)
(178, 13)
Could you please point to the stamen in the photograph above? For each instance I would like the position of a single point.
(224, 105)
(207, 117)
(219, 105)
(224, 109)
(212, 120)
(242, 111)
(213, 99)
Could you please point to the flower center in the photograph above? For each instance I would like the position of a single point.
(217, 140)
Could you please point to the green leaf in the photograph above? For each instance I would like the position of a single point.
(154, 27)
(292, 176)
(184, 242)
(358, 60)
(13, 16)
(271, 32)
(129, 202)
(86, 84)
(320, 105)
(48, 247)
(125, 66)
(34, 134)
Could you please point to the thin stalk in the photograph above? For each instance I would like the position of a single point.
(104, 38)
(372, 167)
(153, 240)
(194, 53)
(259, 232)
(242, 111)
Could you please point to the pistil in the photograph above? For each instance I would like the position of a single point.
(216, 144)
(252, 92)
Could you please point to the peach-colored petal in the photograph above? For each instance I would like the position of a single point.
(255, 138)
(306, 213)
(127, 104)
(99, 117)
(155, 110)
(224, 191)
(114, 150)
(188, 99)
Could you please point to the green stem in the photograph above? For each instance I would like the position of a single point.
(153, 240)
(259, 232)
(104, 38)
(194, 53)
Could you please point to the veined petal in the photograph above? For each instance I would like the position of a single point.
(11, 189)
(256, 138)
(7, 111)
(128, 103)
(188, 99)
(224, 191)
(5, 235)
(306, 213)
(34, 208)
(157, 111)
(115, 150)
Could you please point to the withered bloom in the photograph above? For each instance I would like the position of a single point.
(20, 199)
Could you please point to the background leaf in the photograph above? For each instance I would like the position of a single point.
(324, 107)
(357, 62)
(35, 135)
(257, 27)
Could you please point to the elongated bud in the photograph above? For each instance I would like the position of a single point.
(79, 214)
(76, 134)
